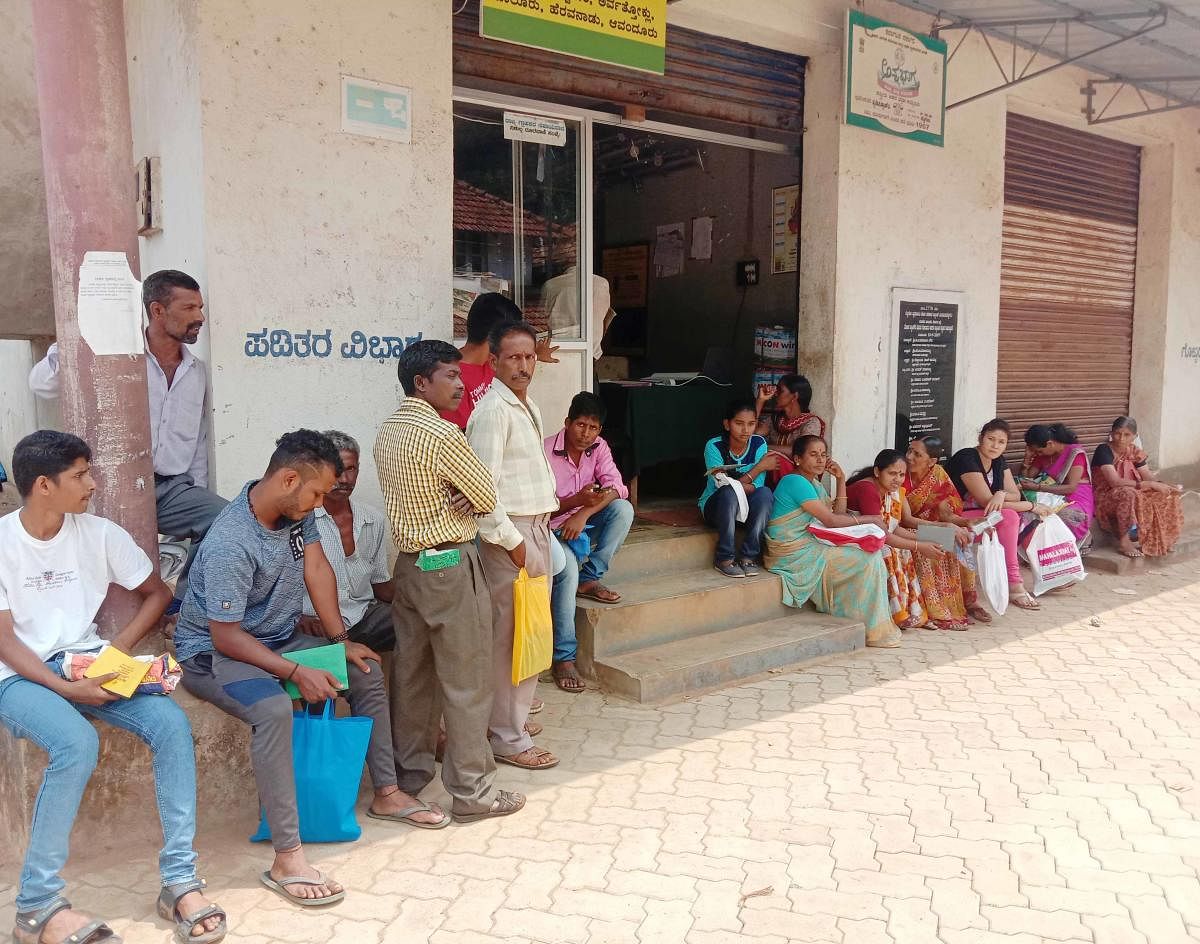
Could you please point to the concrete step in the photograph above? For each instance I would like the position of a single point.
(696, 663)
(667, 607)
(654, 549)
(1107, 559)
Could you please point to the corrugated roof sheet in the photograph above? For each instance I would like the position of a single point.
(1172, 50)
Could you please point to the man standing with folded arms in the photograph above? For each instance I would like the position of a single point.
(433, 485)
(506, 432)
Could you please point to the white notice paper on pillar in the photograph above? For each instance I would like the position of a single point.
(702, 231)
(669, 250)
(110, 304)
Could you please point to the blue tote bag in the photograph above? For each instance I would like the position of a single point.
(328, 754)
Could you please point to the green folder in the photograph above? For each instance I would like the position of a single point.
(331, 658)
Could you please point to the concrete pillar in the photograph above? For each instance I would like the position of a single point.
(83, 101)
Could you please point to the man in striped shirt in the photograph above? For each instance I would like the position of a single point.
(433, 486)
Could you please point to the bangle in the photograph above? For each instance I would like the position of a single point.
(340, 637)
(288, 678)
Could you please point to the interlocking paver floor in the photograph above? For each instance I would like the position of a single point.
(1035, 780)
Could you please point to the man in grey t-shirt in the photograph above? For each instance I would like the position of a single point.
(240, 615)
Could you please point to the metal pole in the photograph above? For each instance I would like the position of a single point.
(87, 157)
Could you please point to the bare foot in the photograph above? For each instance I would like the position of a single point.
(391, 803)
(1127, 547)
(56, 930)
(294, 862)
(194, 902)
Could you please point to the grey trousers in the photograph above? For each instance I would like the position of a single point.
(375, 630)
(442, 667)
(185, 510)
(510, 703)
(256, 697)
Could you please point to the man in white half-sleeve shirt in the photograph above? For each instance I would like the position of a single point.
(177, 384)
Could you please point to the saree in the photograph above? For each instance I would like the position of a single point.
(1157, 516)
(841, 581)
(947, 586)
(781, 432)
(1076, 514)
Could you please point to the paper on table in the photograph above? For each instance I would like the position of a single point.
(110, 304)
(130, 671)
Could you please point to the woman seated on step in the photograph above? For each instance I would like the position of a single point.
(879, 490)
(787, 420)
(1056, 464)
(735, 489)
(1130, 501)
(947, 585)
(843, 581)
(986, 484)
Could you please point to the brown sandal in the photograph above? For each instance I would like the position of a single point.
(505, 804)
(1024, 601)
(543, 759)
(598, 592)
(567, 678)
(979, 613)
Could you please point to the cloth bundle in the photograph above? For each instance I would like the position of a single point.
(866, 537)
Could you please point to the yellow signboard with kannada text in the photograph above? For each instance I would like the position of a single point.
(630, 33)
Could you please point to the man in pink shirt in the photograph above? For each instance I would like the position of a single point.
(592, 507)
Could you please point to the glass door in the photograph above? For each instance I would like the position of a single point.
(518, 208)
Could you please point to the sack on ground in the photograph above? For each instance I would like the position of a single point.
(533, 628)
(866, 537)
(992, 572)
(1053, 556)
(328, 754)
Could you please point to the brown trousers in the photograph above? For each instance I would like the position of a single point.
(442, 667)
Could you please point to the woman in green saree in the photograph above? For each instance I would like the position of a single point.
(843, 581)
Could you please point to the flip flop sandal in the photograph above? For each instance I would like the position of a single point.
(34, 922)
(536, 705)
(533, 729)
(979, 613)
(405, 816)
(538, 752)
(280, 888)
(561, 676)
(505, 804)
(1024, 601)
(594, 594)
(167, 907)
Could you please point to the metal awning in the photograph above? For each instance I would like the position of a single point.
(1148, 53)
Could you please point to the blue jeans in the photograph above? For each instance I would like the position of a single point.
(720, 512)
(61, 729)
(610, 525)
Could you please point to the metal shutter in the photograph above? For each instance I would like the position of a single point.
(706, 77)
(1066, 279)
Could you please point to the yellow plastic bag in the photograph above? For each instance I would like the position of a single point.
(533, 635)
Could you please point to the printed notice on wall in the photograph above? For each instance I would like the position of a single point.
(895, 79)
(535, 128)
(926, 364)
(785, 229)
(630, 33)
(110, 304)
(669, 249)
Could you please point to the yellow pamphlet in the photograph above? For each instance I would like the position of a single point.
(130, 671)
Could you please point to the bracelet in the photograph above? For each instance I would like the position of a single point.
(288, 678)
(340, 637)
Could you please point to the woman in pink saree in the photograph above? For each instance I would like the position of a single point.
(1056, 464)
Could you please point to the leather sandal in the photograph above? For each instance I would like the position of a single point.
(34, 922)
(540, 754)
(505, 804)
(167, 907)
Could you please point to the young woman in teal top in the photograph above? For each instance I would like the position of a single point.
(843, 581)
(719, 504)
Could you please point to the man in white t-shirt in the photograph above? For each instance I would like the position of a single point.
(56, 565)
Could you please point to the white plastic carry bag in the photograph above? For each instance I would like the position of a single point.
(992, 572)
(1053, 556)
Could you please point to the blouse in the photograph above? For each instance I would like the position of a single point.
(968, 460)
(793, 491)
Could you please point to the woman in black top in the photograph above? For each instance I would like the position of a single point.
(986, 484)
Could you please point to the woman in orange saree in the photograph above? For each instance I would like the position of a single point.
(948, 584)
